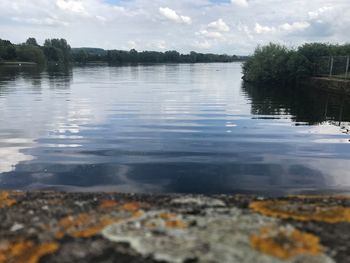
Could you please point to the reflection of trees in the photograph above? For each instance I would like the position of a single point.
(303, 103)
(60, 76)
(12, 73)
(8, 73)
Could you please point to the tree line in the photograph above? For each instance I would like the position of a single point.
(277, 63)
(53, 50)
(59, 51)
(84, 55)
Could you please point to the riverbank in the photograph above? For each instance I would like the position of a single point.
(17, 63)
(115, 227)
(329, 84)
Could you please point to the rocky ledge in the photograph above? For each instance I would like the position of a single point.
(115, 227)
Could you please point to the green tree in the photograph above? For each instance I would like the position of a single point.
(57, 50)
(30, 53)
(133, 55)
(193, 57)
(81, 56)
(32, 41)
(298, 66)
(277, 63)
(172, 56)
(269, 63)
(312, 51)
(7, 50)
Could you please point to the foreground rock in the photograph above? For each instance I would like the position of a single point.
(113, 227)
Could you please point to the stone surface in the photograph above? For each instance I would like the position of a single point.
(115, 227)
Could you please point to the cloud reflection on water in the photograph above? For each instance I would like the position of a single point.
(168, 128)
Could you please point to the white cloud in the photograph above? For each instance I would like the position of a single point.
(263, 29)
(219, 25)
(43, 21)
(286, 27)
(160, 44)
(242, 3)
(71, 5)
(172, 15)
(245, 29)
(221, 28)
(316, 14)
(209, 34)
(202, 44)
(131, 44)
(296, 26)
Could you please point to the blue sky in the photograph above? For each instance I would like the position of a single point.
(221, 26)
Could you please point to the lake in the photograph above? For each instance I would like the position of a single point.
(173, 128)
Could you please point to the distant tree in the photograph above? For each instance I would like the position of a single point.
(119, 56)
(7, 50)
(193, 57)
(172, 56)
(30, 53)
(32, 41)
(133, 55)
(53, 54)
(57, 50)
(80, 56)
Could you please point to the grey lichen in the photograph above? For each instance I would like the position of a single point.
(198, 201)
(218, 235)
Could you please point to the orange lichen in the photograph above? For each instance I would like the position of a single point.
(132, 206)
(167, 216)
(24, 251)
(6, 200)
(137, 214)
(285, 242)
(17, 249)
(302, 211)
(71, 221)
(167, 220)
(42, 250)
(94, 229)
(82, 225)
(55, 201)
(59, 234)
(87, 225)
(107, 204)
(321, 197)
(151, 225)
(176, 224)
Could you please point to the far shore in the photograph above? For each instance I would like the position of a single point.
(17, 63)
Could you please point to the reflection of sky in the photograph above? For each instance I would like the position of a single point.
(10, 153)
(172, 128)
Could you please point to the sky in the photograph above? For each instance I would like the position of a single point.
(219, 26)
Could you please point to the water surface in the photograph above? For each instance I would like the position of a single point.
(168, 128)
